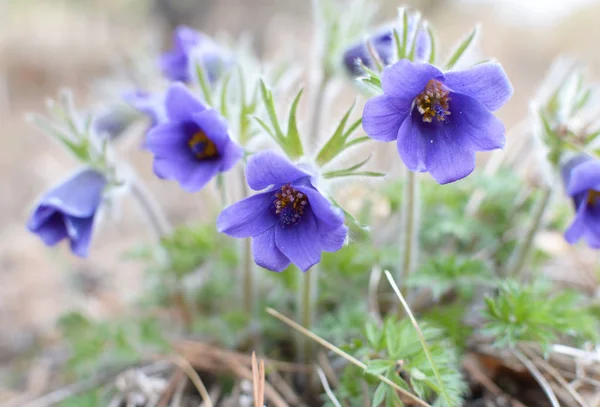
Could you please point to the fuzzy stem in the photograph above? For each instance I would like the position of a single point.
(156, 217)
(307, 293)
(521, 253)
(410, 228)
(248, 297)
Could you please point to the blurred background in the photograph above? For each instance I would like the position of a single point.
(45, 46)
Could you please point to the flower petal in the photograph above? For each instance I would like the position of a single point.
(181, 103)
(328, 217)
(80, 195)
(405, 79)
(248, 217)
(422, 45)
(80, 234)
(169, 140)
(382, 117)
(164, 168)
(447, 158)
(213, 125)
(488, 83)
(230, 155)
(577, 228)
(150, 104)
(266, 254)
(269, 168)
(472, 123)
(194, 175)
(334, 240)
(583, 177)
(300, 243)
(52, 231)
(412, 140)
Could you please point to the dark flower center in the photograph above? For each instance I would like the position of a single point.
(289, 205)
(202, 147)
(433, 102)
(592, 197)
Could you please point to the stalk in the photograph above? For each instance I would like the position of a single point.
(156, 217)
(248, 284)
(410, 229)
(521, 253)
(307, 298)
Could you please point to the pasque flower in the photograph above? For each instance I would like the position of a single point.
(67, 211)
(193, 144)
(289, 221)
(439, 120)
(382, 43)
(582, 179)
(189, 46)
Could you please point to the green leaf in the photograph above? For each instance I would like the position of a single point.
(464, 45)
(379, 395)
(398, 43)
(378, 366)
(202, 80)
(432, 55)
(267, 97)
(293, 136)
(337, 141)
(374, 335)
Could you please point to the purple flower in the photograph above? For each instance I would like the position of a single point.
(291, 221)
(190, 45)
(582, 179)
(68, 211)
(113, 121)
(150, 104)
(193, 145)
(439, 120)
(383, 44)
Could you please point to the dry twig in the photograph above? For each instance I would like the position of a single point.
(538, 376)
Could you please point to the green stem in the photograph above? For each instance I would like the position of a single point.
(248, 297)
(410, 229)
(156, 217)
(523, 249)
(307, 292)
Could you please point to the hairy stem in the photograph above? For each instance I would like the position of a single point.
(307, 290)
(410, 228)
(523, 249)
(248, 297)
(156, 217)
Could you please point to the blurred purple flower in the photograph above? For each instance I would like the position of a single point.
(582, 179)
(289, 222)
(68, 211)
(382, 43)
(113, 121)
(439, 120)
(189, 45)
(193, 145)
(150, 104)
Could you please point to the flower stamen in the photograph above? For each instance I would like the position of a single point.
(433, 102)
(202, 147)
(289, 205)
(592, 197)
